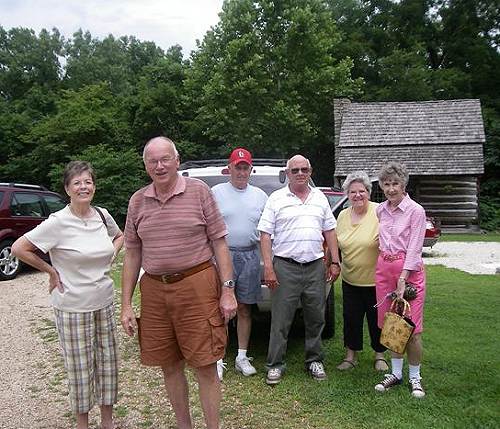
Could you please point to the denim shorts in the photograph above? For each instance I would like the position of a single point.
(246, 266)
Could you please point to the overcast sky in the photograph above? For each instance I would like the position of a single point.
(165, 22)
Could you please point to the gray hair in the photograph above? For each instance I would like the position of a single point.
(357, 177)
(159, 138)
(75, 168)
(393, 170)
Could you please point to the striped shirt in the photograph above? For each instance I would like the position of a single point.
(174, 234)
(297, 226)
(403, 230)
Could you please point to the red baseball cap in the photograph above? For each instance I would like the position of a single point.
(240, 155)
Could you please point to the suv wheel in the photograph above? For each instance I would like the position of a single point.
(9, 264)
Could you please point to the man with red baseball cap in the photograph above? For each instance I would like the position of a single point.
(241, 205)
(240, 155)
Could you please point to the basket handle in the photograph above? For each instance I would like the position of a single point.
(406, 306)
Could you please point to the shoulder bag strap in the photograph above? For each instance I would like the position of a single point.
(101, 214)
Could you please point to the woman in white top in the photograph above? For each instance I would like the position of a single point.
(82, 242)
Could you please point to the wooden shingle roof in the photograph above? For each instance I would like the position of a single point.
(430, 137)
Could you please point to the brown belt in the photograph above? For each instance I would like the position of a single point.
(177, 277)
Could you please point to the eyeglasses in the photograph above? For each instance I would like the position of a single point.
(303, 170)
(163, 161)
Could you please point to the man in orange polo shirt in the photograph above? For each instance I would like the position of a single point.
(173, 230)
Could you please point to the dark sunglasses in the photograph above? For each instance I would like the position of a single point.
(303, 170)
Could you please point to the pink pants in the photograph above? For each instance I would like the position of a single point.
(387, 273)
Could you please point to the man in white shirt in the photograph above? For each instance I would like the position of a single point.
(241, 206)
(300, 219)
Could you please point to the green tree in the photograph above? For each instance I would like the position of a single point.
(119, 174)
(457, 42)
(84, 118)
(28, 60)
(118, 62)
(265, 78)
(29, 81)
(157, 104)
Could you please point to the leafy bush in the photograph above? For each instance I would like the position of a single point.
(489, 213)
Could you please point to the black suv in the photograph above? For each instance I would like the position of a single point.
(22, 207)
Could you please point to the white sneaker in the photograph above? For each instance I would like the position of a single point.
(317, 371)
(244, 366)
(390, 380)
(417, 391)
(221, 366)
(274, 376)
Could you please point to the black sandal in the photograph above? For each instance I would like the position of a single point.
(351, 365)
(380, 360)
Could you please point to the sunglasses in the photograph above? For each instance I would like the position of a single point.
(303, 170)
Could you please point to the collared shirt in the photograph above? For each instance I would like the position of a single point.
(241, 209)
(403, 230)
(297, 226)
(174, 234)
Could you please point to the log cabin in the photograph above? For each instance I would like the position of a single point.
(440, 142)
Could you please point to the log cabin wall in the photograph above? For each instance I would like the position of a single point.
(451, 199)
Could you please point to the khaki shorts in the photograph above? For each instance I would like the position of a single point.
(182, 321)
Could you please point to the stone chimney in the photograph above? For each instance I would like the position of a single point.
(339, 107)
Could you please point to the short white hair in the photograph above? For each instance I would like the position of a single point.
(357, 177)
(159, 138)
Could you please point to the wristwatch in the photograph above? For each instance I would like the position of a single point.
(230, 284)
(335, 263)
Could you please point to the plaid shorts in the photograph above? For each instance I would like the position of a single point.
(90, 354)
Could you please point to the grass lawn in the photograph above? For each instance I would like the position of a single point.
(471, 237)
(461, 374)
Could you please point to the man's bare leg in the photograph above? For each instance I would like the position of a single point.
(210, 394)
(244, 326)
(177, 390)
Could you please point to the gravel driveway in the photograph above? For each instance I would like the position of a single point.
(33, 392)
(473, 257)
(33, 386)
